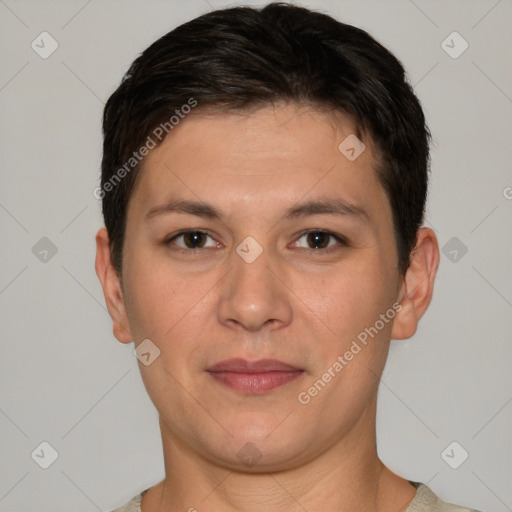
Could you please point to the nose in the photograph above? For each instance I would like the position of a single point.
(254, 295)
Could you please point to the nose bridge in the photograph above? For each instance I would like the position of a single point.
(252, 296)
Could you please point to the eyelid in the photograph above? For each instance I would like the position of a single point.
(339, 238)
(169, 239)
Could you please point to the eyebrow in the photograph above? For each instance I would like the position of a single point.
(320, 206)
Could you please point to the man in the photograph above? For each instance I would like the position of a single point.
(263, 182)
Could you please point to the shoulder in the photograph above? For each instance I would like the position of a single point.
(133, 505)
(427, 501)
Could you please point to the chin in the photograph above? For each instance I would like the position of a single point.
(260, 443)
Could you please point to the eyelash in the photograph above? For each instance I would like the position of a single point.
(340, 239)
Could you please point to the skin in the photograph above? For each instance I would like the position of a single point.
(301, 305)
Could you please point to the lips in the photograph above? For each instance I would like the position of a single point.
(254, 376)
(243, 366)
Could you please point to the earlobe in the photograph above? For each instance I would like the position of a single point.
(418, 284)
(111, 288)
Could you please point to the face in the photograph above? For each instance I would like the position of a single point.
(253, 237)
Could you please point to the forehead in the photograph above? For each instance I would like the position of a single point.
(268, 157)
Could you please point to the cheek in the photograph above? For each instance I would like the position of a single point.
(155, 298)
(171, 309)
(160, 308)
(355, 350)
(350, 299)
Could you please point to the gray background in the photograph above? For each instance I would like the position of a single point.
(67, 381)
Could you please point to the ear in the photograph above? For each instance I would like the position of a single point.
(417, 285)
(111, 288)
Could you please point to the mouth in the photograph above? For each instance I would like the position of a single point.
(254, 377)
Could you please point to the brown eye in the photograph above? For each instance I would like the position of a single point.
(317, 239)
(192, 239)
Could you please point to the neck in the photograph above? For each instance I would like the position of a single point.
(347, 476)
